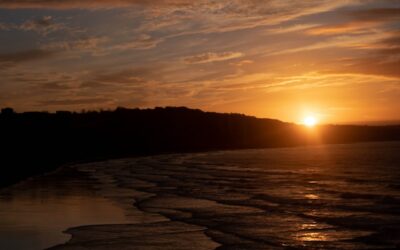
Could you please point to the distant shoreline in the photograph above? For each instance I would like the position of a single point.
(39, 142)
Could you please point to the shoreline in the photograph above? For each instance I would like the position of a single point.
(4, 186)
(155, 226)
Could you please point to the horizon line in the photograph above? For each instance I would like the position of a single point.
(393, 122)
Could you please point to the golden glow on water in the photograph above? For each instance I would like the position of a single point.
(312, 236)
(312, 196)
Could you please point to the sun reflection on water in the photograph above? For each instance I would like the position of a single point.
(312, 236)
(312, 196)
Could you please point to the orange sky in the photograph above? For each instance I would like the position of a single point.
(337, 60)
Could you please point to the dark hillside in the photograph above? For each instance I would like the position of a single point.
(36, 142)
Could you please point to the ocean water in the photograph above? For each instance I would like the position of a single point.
(315, 197)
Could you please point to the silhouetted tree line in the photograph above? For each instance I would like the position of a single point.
(36, 142)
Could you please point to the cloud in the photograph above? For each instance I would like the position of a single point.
(356, 42)
(379, 57)
(384, 62)
(143, 41)
(360, 21)
(206, 16)
(94, 85)
(89, 45)
(352, 27)
(99, 46)
(43, 25)
(190, 17)
(376, 14)
(242, 63)
(310, 80)
(77, 101)
(7, 26)
(212, 57)
(127, 76)
(209, 16)
(92, 45)
(55, 86)
(293, 28)
(27, 55)
(390, 42)
(87, 4)
(383, 65)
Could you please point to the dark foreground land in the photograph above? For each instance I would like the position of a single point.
(37, 142)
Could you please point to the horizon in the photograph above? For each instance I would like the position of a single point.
(335, 61)
(318, 123)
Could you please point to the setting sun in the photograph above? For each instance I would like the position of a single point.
(310, 121)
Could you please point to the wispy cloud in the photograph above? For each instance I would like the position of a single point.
(43, 25)
(77, 101)
(212, 57)
(27, 55)
(203, 15)
(324, 79)
(90, 4)
(142, 41)
(92, 45)
(361, 21)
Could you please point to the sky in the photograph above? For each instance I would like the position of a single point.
(336, 60)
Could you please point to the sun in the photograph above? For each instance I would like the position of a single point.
(310, 121)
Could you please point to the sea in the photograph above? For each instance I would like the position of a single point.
(343, 196)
